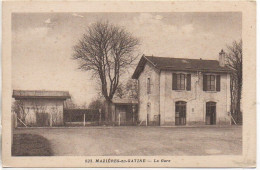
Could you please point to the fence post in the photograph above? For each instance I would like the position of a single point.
(12, 128)
(159, 119)
(99, 118)
(15, 120)
(119, 118)
(84, 119)
(99, 110)
(51, 120)
(146, 120)
(133, 109)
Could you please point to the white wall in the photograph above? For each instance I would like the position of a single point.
(50, 106)
(163, 98)
(196, 100)
(145, 98)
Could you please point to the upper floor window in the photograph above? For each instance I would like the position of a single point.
(181, 81)
(148, 86)
(211, 82)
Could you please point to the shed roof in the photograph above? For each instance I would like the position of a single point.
(125, 101)
(23, 94)
(179, 64)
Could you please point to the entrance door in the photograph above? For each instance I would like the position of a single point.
(180, 113)
(210, 113)
(121, 114)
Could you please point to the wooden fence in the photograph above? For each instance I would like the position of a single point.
(81, 117)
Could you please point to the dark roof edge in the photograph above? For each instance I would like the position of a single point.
(135, 76)
(149, 61)
(40, 94)
(41, 97)
(194, 70)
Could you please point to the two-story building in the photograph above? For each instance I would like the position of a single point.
(179, 91)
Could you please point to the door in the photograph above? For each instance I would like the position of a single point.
(180, 113)
(148, 113)
(121, 114)
(42, 119)
(210, 113)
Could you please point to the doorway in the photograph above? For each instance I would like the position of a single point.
(148, 114)
(42, 119)
(210, 113)
(180, 113)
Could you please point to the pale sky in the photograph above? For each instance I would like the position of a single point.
(42, 44)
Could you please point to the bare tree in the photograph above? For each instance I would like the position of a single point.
(70, 103)
(96, 104)
(107, 51)
(83, 106)
(128, 90)
(234, 61)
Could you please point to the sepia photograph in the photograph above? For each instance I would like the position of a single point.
(107, 71)
(111, 84)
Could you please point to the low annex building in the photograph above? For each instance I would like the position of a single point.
(124, 111)
(40, 108)
(179, 91)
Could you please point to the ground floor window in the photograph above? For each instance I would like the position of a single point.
(180, 113)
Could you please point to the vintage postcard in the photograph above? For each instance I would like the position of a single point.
(129, 84)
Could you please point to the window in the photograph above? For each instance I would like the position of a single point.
(181, 81)
(148, 86)
(211, 83)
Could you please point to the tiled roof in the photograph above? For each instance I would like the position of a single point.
(179, 64)
(18, 94)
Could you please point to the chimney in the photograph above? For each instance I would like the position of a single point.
(222, 60)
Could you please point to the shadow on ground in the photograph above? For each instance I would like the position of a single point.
(30, 145)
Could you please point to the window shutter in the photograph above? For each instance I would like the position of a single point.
(218, 83)
(174, 81)
(204, 82)
(188, 80)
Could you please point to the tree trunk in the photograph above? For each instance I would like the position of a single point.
(233, 92)
(239, 116)
(108, 111)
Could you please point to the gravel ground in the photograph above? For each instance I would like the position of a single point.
(141, 141)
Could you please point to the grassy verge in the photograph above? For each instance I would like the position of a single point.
(30, 145)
